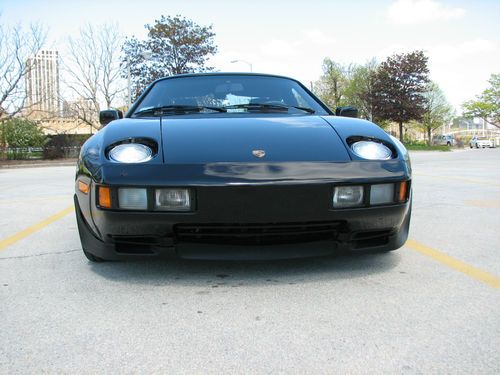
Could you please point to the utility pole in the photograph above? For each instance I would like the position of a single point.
(129, 86)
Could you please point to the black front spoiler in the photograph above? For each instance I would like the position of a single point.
(168, 249)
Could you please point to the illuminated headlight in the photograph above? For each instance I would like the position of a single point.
(347, 196)
(172, 200)
(132, 198)
(382, 194)
(131, 153)
(371, 150)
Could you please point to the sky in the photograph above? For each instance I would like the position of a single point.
(291, 38)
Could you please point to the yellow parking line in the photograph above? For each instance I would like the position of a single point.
(42, 224)
(471, 181)
(473, 272)
(445, 259)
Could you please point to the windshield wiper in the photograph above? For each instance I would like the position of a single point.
(268, 106)
(305, 109)
(175, 109)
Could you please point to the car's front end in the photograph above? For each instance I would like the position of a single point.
(239, 186)
(257, 218)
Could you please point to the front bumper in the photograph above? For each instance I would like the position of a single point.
(243, 211)
(244, 222)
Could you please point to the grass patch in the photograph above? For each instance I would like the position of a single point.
(422, 146)
(23, 155)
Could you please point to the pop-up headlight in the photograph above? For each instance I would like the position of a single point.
(131, 153)
(371, 150)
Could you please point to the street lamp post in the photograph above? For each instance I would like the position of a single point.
(129, 96)
(245, 62)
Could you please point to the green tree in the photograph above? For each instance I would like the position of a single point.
(487, 105)
(333, 83)
(21, 133)
(176, 45)
(438, 111)
(398, 89)
(359, 90)
(348, 85)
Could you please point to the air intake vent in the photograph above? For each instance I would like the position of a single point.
(371, 239)
(257, 234)
(135, 244)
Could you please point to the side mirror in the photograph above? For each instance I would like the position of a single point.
(346, 111)
(108, 115)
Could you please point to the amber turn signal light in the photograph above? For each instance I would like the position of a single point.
(83, 187)
(403, 191)
(104, 197)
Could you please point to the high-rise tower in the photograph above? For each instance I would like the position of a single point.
(42, 84)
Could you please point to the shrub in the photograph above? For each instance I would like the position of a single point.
(61, 145)
(21, 133)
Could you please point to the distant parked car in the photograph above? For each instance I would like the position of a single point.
(444, 140)
(481, 142)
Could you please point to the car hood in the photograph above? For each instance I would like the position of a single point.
(234, 139)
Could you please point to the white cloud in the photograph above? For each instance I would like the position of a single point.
(462, 69)
(299, 58)
(279, 48)
(392, 49)
(412, 12)
(317, 36)
(442, 53)
(453, 53)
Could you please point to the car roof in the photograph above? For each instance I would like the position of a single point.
(224, 74)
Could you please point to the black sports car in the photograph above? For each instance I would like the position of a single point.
(239, 166)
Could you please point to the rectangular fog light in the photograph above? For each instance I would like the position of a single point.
(382, 194)
(172, 200)
(132, 198)
(347, 196)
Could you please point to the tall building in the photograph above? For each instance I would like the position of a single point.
(42, 84)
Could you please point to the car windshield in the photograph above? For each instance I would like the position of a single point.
(233, 93)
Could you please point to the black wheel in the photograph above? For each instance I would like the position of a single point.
(448, 144)
(92, 257)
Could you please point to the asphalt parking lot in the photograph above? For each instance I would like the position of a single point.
(432, 307)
